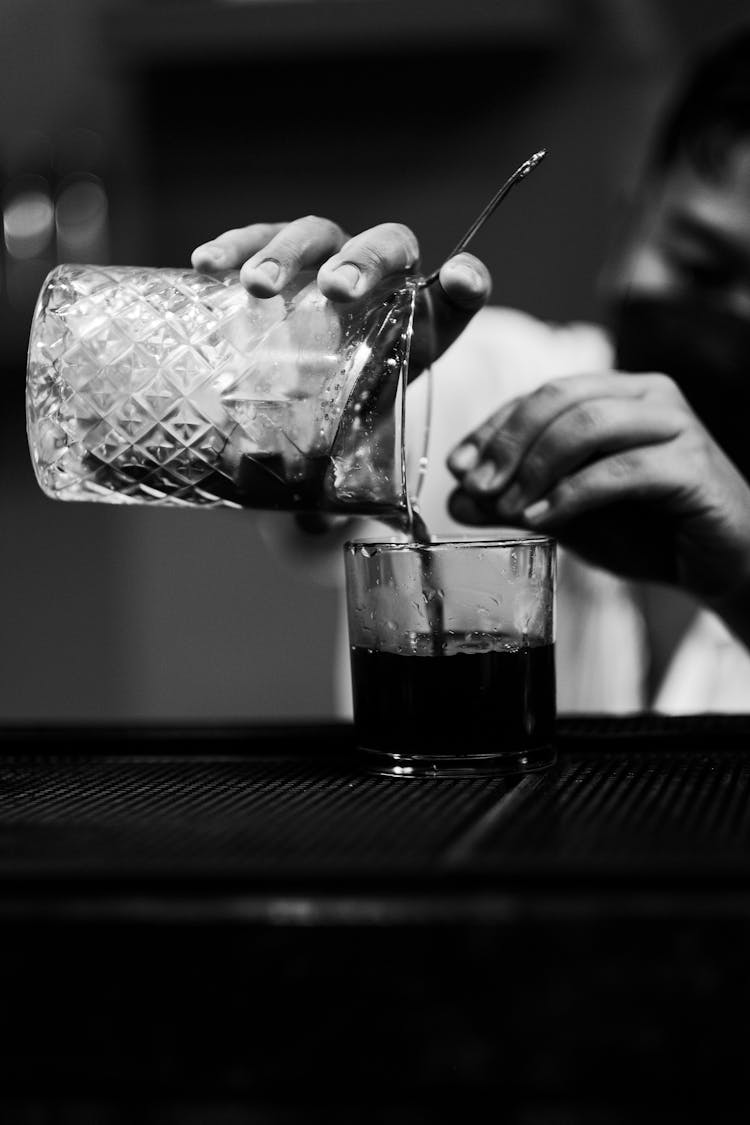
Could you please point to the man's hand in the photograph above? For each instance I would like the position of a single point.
(620, 469)
(269, 255)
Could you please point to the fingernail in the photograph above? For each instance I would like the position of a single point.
(349, 274)
(536, 511)
(465, 458)
(481, 479)
(468, 276)
(213, 255)
(270, 267)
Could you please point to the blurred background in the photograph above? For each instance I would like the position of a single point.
(132, 131)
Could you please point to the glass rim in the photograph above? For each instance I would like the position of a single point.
(466, 542)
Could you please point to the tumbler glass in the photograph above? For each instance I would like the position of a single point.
(452, 654)
(168, 386)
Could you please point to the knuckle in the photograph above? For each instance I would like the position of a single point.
(313, 221)
(550, 393)
(310, 228)
(382, 248)
(678, 419)
(674, 419)
(496, 425)
(625, 465)
(587, 419)
(665, 386)
(268, 229)
(389, 240)
(372, 257)
(253, 231)
(501, 445)
(533, 468)
(543, 403)
(697, 444)
(332, 230)
(406, 236)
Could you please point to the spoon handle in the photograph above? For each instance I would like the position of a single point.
(481, 219)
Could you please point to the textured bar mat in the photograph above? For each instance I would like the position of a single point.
(646, 796)
(246, 816)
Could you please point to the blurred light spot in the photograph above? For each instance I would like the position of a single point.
(81, 218)
(81, 208)
(28, 221)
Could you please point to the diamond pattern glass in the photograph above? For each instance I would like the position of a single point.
(174, 387)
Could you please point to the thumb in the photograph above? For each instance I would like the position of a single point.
(462, 289)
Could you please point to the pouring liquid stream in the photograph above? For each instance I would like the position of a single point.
(431, 592)
(416, 528)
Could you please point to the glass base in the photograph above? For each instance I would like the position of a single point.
(464, 765)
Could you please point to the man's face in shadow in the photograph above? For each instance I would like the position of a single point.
(678, 293)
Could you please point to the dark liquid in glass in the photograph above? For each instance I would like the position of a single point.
(260, 481)
(481, 696)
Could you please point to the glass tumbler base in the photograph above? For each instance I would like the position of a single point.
(463, 765)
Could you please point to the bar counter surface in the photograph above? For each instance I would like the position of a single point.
(239, 915)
